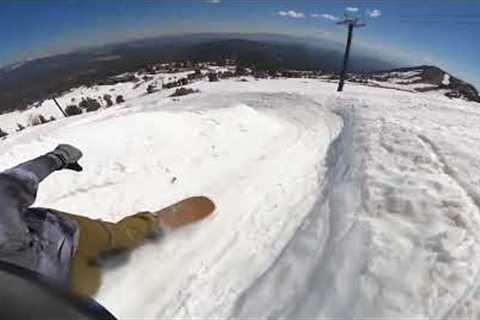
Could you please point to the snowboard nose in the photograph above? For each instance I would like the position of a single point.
(185, 212)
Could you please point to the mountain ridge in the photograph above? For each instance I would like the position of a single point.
(41, 78)
(30, 81)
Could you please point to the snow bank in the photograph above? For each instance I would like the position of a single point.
(420, 204)
(317, 274)
(446, 79)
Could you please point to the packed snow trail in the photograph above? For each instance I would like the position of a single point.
(317, 274)
(363, 204)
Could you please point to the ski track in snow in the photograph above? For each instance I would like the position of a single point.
(363, 204)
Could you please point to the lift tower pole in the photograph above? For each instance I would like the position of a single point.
(351, 22)
(59, 107)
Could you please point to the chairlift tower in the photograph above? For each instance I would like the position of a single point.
(351, 22)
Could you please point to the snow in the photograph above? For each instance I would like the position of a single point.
(405, 74)
(403, 85)
(446, 79)
(405, 81)
(359, 204)
(401, 75)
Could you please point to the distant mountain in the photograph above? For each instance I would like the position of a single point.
(424, 78)
(30, 81)
(275, 55)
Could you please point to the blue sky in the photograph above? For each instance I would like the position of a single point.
(440, 32)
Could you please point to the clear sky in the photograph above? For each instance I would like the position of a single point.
(440, 32)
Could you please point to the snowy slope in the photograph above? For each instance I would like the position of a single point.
(363, 204)
(128, 90)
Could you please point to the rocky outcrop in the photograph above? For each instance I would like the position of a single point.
(426, 78)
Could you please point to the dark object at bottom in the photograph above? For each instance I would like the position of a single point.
(25, 294)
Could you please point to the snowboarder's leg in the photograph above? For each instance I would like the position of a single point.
(100, 237)
(131, 232)
(85, 273)
(85, 276)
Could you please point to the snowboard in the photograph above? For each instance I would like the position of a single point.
(185, 212)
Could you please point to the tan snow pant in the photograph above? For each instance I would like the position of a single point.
(98, 238)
